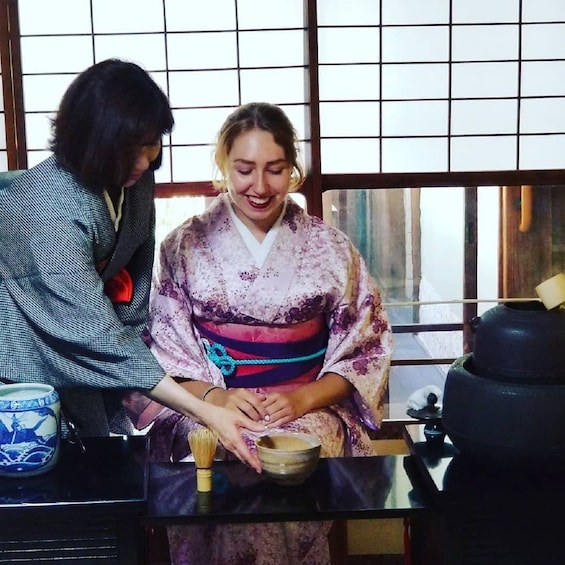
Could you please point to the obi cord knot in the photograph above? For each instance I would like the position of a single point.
(227, 364)
(219, 356)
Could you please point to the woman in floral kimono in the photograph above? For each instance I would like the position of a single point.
(260, 308)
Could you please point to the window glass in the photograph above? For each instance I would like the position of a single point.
(542, 78)
(38, 130)
(486, 11)
(415, 44)
(485, 43)
(127, 16)
(263, 48)
(192, 163)
(489, 244)
(413, 242)
(252, 14)
(188, 51)
(542, 115)
(147, 50)
(542, 152)
(543, 41)
(483, 153)
(197, 61)
(464, 58)
(417, 260)
(349, 82)
(35, 157)
(349, 12)
(203, 88)
(543, 10)
(419, 81)
(415, 12)
(412, 118)
(42, 93)
(200, 16)
(399, 236)
(414, 155)
(205, 58)
(348, 45)
(484, 80)
(483, 116)
(361, 155)
(37, 17)
(61, 54)
(357, 119)
(198, 125)
(279, 86)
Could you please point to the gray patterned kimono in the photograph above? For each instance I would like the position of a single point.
(57, 326)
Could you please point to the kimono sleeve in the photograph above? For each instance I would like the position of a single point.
(172, 336)
(360, 342)
(56, 315)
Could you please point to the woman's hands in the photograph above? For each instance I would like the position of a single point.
(284, 407)
(240, 400)
(227, 412)
(227, 424)
(279, 407)
(274, 409)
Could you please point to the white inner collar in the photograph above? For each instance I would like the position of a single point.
(258, 249)
(116, 215)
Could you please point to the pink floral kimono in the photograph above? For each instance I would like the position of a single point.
(309, 307)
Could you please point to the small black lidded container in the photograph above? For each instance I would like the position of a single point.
(430, 415)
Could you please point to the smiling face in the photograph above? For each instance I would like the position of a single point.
(258, 180)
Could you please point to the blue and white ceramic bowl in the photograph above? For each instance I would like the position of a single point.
(29, 429)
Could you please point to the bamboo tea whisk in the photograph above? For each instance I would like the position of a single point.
(203, 442)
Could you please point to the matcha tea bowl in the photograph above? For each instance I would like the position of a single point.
(29, 429)
(288, 458)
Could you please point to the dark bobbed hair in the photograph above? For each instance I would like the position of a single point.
(266, 117)
(107, 112)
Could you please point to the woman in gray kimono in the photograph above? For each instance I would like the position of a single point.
(76, 258)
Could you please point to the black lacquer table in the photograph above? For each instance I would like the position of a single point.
(88, 507)
(96, 505)
(339, 488)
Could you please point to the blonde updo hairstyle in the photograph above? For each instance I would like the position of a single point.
(266, 117)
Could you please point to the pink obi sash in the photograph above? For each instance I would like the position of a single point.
(258, 356)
